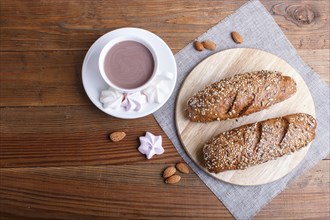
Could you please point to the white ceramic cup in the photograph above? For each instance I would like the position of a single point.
(106, 50)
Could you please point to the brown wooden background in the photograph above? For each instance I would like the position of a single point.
(56, 161)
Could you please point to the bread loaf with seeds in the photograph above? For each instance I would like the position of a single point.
(259, 142)
(239, 95)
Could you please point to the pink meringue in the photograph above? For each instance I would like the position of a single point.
(151, 145)
(134, 101)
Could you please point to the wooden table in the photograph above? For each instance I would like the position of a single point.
(56, 159)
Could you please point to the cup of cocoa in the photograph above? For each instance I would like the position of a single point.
(128, 63)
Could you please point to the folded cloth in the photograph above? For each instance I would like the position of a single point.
(260, 31)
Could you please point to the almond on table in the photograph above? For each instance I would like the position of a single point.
(117, 136)
(169, 171)
(182, 167)
(173, 179)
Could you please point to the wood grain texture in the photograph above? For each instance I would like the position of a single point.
(42, 78)
(52, 27)
(48, 25)
(36, 87)
(318, 57)
(299, 200)
(116, 191)
(25, 26)
(307, 19)
(49, 125)
(120, 192)
(226, 64)
(36, 79)
(72, 135)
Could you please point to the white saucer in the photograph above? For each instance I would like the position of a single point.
(94, 83)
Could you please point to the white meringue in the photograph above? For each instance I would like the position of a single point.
(159, 88)
(151, 145)
(111, 98)
(134, 101)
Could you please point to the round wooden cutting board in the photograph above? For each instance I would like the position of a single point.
(224, 64)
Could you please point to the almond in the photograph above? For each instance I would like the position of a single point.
(173, 179)
(236, 37)
(169, 171)
(117, 136)
(210, 45)
(182, 167)
(198, 46)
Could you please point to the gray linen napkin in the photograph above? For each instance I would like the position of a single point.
(260, 31)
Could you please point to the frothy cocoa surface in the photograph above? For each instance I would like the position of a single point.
(129, 64)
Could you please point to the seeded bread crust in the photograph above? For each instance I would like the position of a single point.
(259, 142)
(239, 95)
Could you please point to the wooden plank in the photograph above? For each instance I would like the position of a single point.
(51, 26)
(104, 191)
(63, 136)
(38, 79)
(305, 198)
(42, 78)
(319, 61)
(120, 192)
(54, 77)
(305, 23)
(75, 25)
